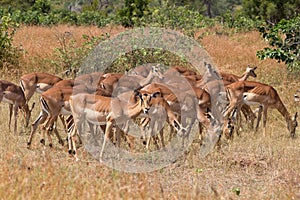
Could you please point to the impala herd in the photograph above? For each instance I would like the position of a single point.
(148, 96)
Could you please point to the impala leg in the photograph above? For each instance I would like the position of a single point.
(144, 123)
(161, 132)
(16, 118)
(117, 136)
(62, 119)
(200, 127)
(260, 109)
(239, 119)
(148, 135)
(249, 115)
(76, 127)
(49, 128)
(10, 114)
(70, 134)
(155, 130)
(40, 119)
(106, 136)
(72, 142)
(130, 141)
(60, 141)
(265, 110)
(44, 129)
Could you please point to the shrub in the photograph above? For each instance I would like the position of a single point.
(8, 53)
(284, 37)
(239, 22)
(133, 11)
(69, 55)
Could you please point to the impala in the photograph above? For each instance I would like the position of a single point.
(175, 95)
(216, 87)
(130, 82)
(250, 71)
(54, 102)
(189, 102)
(100, 110)
(37, 82)
(250, 92)
(181, 70)
(90, 79)
(14, 96)
(159, 112)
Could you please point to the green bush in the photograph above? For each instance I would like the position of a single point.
(69, 55)
(284, 37)
(8, 53)
(239, 22)
(133, 11)
(168, 16)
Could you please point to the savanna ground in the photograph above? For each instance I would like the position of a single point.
(250, 167)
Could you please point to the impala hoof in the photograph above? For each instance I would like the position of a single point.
(42, 141)
(70, 151)
(61, 142)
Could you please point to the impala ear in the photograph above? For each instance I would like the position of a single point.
(137, 93)
(102, 86)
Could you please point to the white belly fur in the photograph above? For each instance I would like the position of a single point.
(97, 118)
(5, 100)
(42, 87)
(247, 96)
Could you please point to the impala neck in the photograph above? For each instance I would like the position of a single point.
(22, 95)
(147, 80)
(244, 77)
(283, 111)
(134, 109)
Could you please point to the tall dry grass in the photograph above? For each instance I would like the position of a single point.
(253, 166)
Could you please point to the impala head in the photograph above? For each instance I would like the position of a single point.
(292, 124)
(210, 74)
(146, 98)
(156, 72)
(27, 112)
(251, 71)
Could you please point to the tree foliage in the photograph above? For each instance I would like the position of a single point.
(8, 53)
(132, 11)
(284, 38)
(271, 10)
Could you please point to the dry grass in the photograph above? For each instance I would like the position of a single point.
(259, 167)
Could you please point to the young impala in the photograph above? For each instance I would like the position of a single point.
(250, 92)
(100, 110)
(54, 102)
